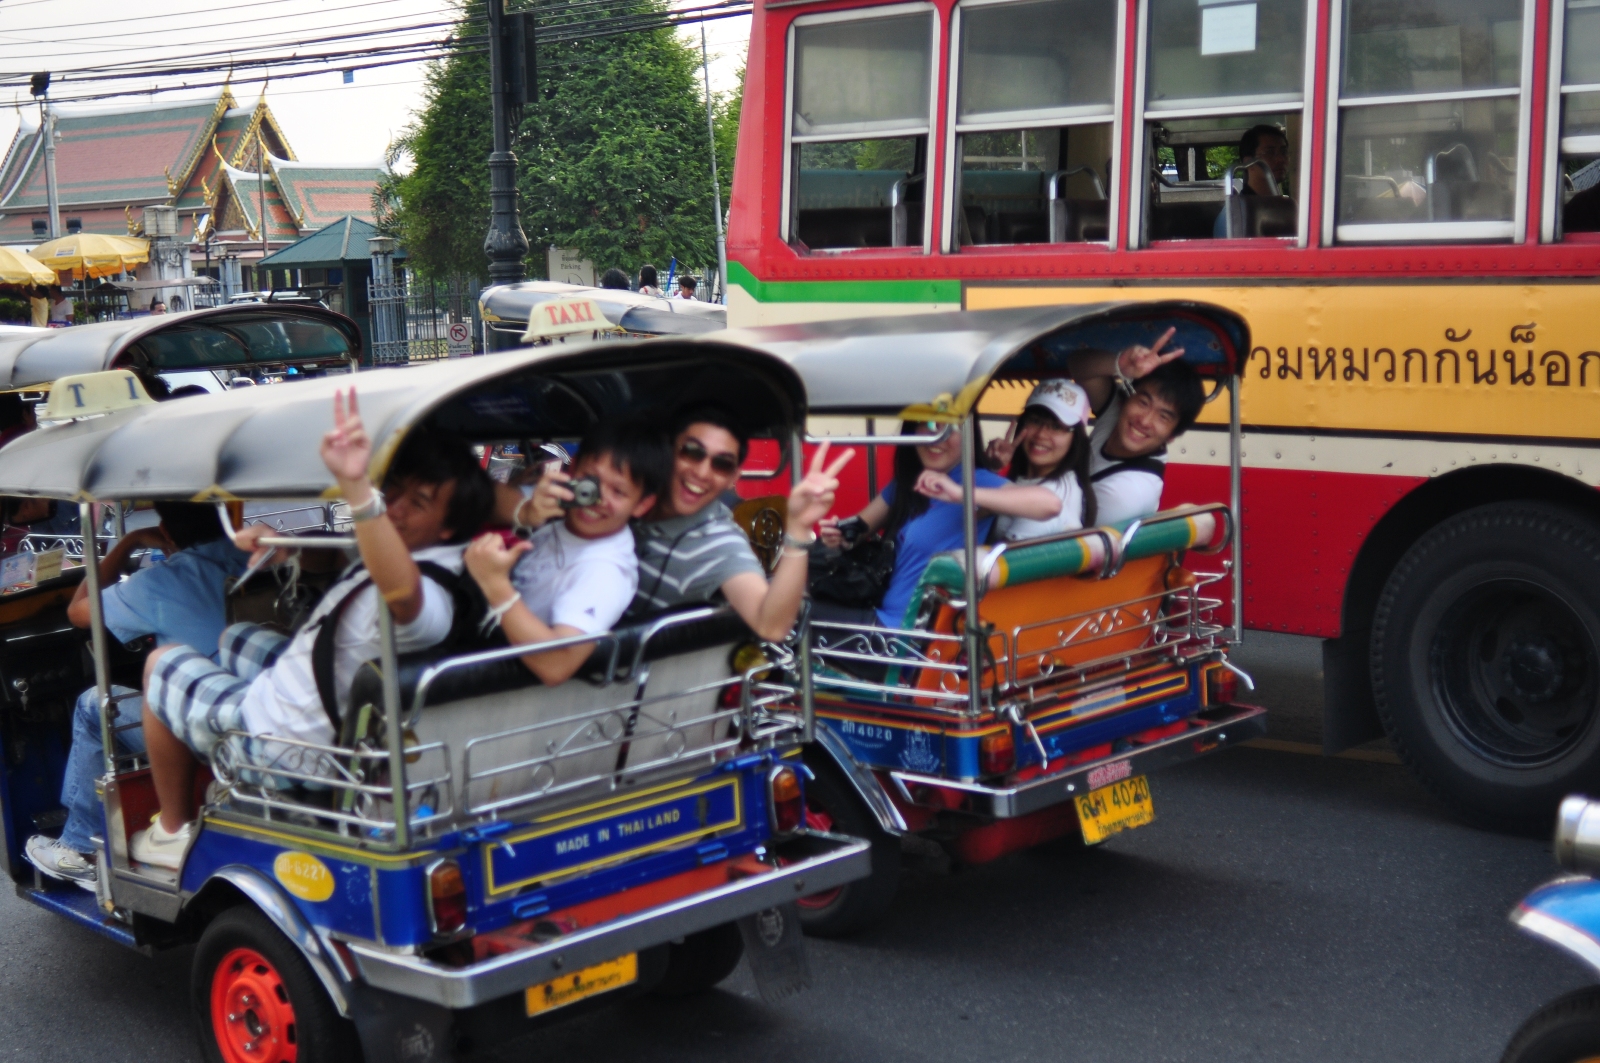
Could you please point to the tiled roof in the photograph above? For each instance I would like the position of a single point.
(329, 247)
(320, 195)
(138, 155)
(18, 228)
(246, 189)
(201, 191)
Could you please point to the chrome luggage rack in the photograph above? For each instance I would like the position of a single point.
(602, 746)
(1023, 662)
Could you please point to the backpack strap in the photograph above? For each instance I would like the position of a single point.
(1149, 463)
(322, 651)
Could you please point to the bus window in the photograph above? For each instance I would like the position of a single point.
(1224, 101)
(1034, 100)
(1578, 198)
(862, 92)
(1445, 166)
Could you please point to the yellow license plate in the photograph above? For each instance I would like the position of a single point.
(589, 982)
(1123, 804)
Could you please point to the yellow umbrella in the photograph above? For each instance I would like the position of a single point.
(18, 268)
(93, 254)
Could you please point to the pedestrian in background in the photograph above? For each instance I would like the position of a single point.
(687, 285)
(614, 279)
(649, 283)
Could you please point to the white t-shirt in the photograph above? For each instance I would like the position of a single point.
(582, 583)
(1121, 494)
(284, 701)
(1069, 519)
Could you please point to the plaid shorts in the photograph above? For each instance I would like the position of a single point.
(201, 702)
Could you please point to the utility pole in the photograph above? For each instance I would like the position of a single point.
(511, 56)
(716, 188)
(39, 85)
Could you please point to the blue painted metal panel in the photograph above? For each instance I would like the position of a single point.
(80, 906)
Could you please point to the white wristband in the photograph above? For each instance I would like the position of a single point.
(492, 618)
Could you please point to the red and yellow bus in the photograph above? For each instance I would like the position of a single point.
(1423, 397)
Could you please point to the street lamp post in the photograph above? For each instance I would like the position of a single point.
(506, 245)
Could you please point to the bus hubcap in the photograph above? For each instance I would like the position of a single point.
(250, 1010)
(1515, 672)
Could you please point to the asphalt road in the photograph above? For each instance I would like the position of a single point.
(1282, 907)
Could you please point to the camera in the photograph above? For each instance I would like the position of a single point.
(851, 530)
(585, 492)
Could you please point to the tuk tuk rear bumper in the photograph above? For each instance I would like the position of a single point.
(1224, 726)
(816, 862)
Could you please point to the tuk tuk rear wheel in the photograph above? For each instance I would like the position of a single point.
(256, 1000)
(700, 961)
(1564, 1031)
(855, 905)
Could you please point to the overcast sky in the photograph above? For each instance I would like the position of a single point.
(325, 119)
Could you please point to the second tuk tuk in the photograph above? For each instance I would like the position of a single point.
(1032, 686)
(479, 853)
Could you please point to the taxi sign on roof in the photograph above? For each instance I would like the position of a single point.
(563, 317)
(88, 394)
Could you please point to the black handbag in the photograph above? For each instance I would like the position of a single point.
(856, 577)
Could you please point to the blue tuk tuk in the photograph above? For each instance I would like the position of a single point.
(476, 854)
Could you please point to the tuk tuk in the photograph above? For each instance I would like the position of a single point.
(509, 310)
(275, 339)
(1032, 686)
(480, 853)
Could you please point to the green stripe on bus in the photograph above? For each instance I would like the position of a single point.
(903, 291)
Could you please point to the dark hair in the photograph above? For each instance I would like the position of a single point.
(637, 449)
(1180, 385)
(686, 280)
(13, 411)
(429, 456)
(1076, 461)
(908, 505)
(1252, 138)
(647, 275)
(709, 414)
(189, 523)
(614, 278)
(156, 387)
(188, 391)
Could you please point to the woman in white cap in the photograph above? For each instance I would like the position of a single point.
(1049, 449)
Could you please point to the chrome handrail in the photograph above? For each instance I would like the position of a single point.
(1055, 205)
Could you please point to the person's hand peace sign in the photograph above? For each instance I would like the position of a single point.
(346, 450)
(812, 497)
(1139, 361)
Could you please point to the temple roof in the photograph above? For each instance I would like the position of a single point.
(335, 245)
(200, 156)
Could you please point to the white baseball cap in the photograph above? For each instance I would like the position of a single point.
(1066, 400)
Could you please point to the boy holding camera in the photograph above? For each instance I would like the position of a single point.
(576, 575)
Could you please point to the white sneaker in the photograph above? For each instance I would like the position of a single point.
(60, 861)
(159, 847)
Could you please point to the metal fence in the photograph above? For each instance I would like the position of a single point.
(411, 317)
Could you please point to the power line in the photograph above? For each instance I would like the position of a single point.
(170, 29)
(145, 18)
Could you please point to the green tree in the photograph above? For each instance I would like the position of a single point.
(612, 156)
(727, 107)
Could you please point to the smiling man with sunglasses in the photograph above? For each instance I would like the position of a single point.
(691, 549)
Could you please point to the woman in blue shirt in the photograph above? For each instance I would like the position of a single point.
(921, 513)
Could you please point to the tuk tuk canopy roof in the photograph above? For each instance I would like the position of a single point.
(263, 442)
(633, 311)
(223, 337)
(936, 366)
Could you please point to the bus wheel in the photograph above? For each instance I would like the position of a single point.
(1563, 1031)
(256, 1000)
(701, 960)
(1486, 661)
(855, 905)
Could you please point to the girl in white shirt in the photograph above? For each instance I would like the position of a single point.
(1050, 448)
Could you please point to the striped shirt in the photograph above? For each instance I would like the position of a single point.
(684, 560)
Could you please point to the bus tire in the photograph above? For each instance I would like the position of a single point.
(1485, 660)
(844, 910)
(1564, 1031)
(701, 960)
(249, 983)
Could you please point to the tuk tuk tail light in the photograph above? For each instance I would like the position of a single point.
(997, 753)
(787, 801)
(447, 897)
(1222, 685)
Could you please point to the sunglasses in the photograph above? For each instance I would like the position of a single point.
(694, 453)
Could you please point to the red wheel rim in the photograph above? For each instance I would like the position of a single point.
(252, 1017)
(817, 819)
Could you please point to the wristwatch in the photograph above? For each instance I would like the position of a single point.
(797, 546)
